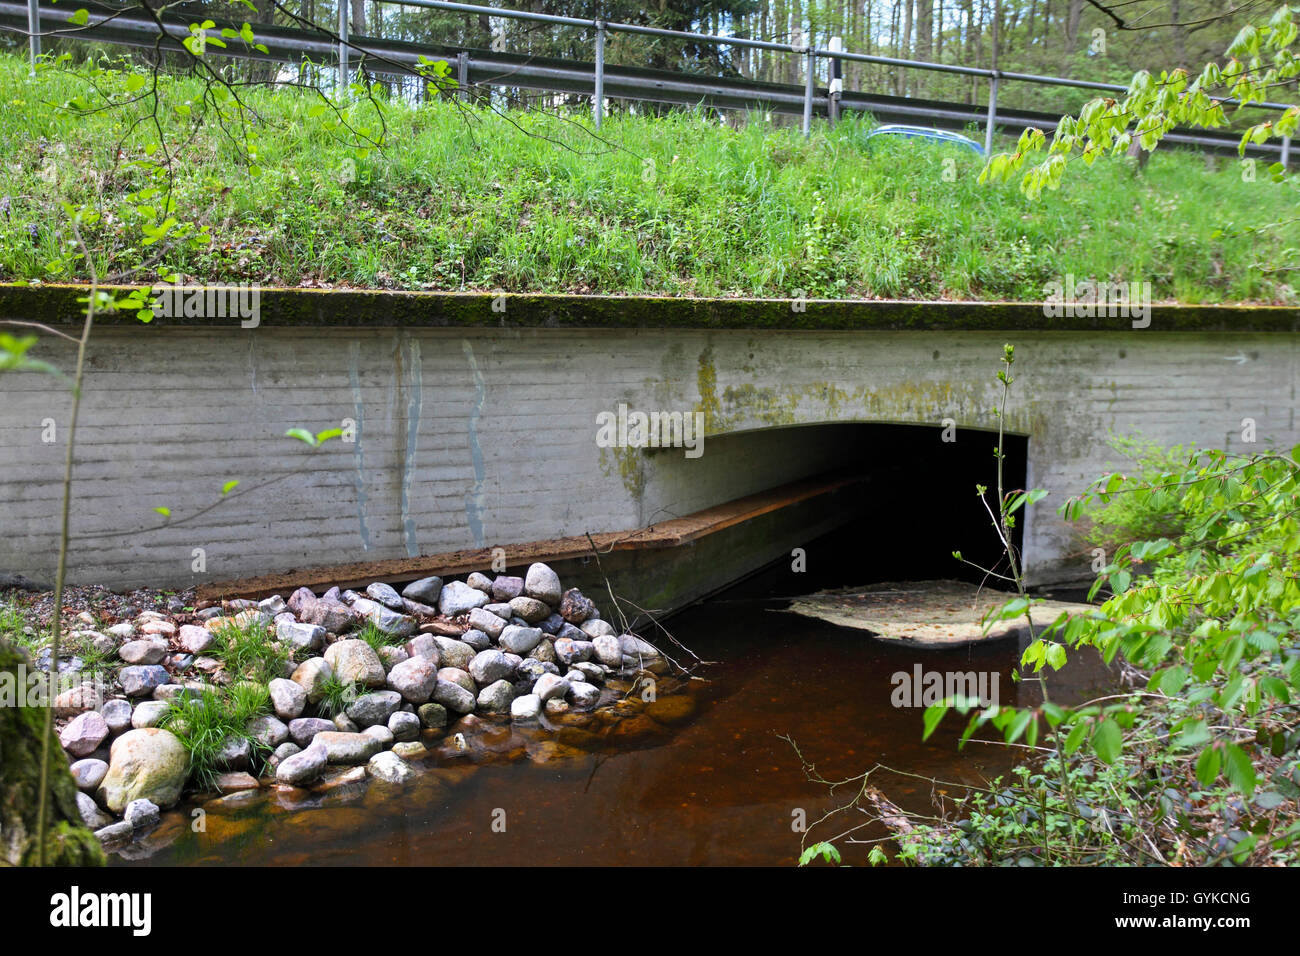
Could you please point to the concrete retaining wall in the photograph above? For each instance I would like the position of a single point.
(477, 436)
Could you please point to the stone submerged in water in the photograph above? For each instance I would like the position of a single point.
(390, 768)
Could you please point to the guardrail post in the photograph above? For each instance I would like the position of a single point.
(34, 31)
(343, 47)
(1286, 151)
(598, 95)
(993, 114)
(462, 74)
(835, 80)
(808, 91)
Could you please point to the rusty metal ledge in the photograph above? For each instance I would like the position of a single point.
(666, 534)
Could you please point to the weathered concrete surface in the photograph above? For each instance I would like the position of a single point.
(476, 436)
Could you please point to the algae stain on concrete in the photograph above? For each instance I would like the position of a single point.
(411, 409)
(474, 497)
(358, 454)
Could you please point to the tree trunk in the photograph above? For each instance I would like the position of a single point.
(68, 842)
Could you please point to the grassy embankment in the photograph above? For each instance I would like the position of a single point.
(461, 200)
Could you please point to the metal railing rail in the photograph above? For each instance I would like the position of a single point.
(605, 82)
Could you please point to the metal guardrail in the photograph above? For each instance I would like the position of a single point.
(598, 79)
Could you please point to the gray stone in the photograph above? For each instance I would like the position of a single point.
(333, 615)
(374, 708)
(489, 666)
(453, 653)
(389, 768)
(552, 625)
(288, 698)
(634, 646)
(486, 622)
(74, 700)
(495, 698)
(304, 729)
(404, 726)
(530, 609)
(385, 595)
(115, 833)
(591, 673)
(83, 735)
(341, 748)
(453, 697)
(355, 662)
(571, 652)
(500, 610)
(458, 676)
(312, 675)
(595, 627)
(476, 639)
(142, 652)
(151, 763)
(414, 679)
(425, 590)
(543, 584)
(457, 597)
(384, 618)
(544, 652)
(479, 581)
(142, 680)
(300, 600)
(91, 815)
(525, 707)
(149, 713)
(382, 733)
(124, 631)
(506, 587)
(273, 605)
(117, 714)
(607, 650)
(282, 753)
(391, 656)
(268, 730)
(235, 753)
(346, 724)
(141, 813)
(549, 685)
(433, 716)
(424, 645)
(88, 773)
(302, 636)
(302, 768)
(583, 695)
(520, 640)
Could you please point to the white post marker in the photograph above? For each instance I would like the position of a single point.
(598, 95)
(343, 47)
(993, 114)
(836, 45)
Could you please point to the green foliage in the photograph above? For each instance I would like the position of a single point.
(461, 199)
(336, 695)
(1260, 64)
(249, 651)
(373, 635)
(1125, 518)
(1203, 765)
(204, 723)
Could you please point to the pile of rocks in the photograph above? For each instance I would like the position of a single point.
(509, 649)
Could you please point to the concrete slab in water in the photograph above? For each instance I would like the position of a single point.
(927, 613)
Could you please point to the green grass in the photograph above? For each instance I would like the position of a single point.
(674, 205)
(249, 652)
(377, 638)
(336, 695)
(205, 722)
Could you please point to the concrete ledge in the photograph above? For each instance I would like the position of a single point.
(350, 308)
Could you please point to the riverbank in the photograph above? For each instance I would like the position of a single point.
(312, 696)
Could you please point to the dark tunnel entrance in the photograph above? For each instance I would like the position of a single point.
(916, 506)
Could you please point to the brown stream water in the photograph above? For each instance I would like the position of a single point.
(723, 789)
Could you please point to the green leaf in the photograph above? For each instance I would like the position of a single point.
(1207, 766)
(165, 512)
(1239, 770)
(1107, 741)
(302, 435)
(229, 486)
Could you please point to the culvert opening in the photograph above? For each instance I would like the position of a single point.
(916, 502)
